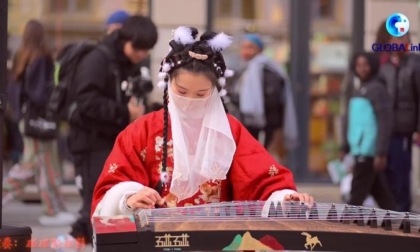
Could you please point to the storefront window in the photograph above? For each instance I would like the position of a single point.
(248, 9)
(330, 49)
(224, 8)
(68, 6)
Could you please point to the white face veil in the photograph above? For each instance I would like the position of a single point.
(203, 144)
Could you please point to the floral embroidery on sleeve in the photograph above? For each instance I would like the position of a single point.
(143, 155)
(158, 144)
(112, 168)
(273, 170)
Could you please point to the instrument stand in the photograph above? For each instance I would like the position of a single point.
(11, 238)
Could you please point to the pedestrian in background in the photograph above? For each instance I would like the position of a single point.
(263, 95)
(367, 128)
(33, 70)
(103, 108)
(116, 20)
(402, 80)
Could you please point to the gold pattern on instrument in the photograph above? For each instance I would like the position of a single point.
(172, 241)
(311, 242)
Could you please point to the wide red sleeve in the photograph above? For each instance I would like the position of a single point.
(125, 162)
(254, 174)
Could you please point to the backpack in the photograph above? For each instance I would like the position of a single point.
(62, 102)
(274, 100)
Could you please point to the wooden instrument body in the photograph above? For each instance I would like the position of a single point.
(201, 229)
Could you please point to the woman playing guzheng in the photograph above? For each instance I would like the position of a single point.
(191, 152)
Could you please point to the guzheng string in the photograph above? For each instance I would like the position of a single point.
(287, 211)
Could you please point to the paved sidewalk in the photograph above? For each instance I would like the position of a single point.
(23, 214)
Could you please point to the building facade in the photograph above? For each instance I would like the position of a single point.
(330, 43)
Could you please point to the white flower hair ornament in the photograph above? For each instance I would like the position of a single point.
(229, 73)
(220, 42)
(184, 35)
(223, 92)
(162, 80)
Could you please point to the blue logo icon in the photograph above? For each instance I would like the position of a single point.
(397, 25)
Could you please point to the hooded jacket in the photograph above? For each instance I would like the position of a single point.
(102, 106)
(403, 84)
(367, 123)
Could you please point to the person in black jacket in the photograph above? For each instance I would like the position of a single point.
(103, 109)
(367, 129)
(402, 78)
(32, 73)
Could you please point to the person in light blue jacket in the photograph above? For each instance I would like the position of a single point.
(367, 129)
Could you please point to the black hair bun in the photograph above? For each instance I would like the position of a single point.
(194, 32)
(208, 35)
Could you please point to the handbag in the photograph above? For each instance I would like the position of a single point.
(37, 125)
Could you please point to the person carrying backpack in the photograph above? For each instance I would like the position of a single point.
(263, 95)
(32, 70)
(101, 110)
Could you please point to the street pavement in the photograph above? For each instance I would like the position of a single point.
(26, 214)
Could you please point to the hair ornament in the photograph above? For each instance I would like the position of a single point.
(162, 84)
(229, 73)
(166, 67)
(198, 56)
(222, 81)
(162, 75)
(222, 92)
(184, 35)
(220, 42)
(164, 177)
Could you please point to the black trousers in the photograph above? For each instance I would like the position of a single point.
(269, 130)
(366, 180)
(398, 171)
(89, 166)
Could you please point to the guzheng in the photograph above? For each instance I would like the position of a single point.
(234, 226)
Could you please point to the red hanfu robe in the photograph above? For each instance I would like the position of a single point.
(137, 156)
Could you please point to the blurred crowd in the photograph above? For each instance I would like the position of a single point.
(380, 113)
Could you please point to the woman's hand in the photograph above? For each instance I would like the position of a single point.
(301, 197)
(145, 198)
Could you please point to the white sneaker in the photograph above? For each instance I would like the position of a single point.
(60, 219)
(66, 243)
(20, 173)
(7, 198)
